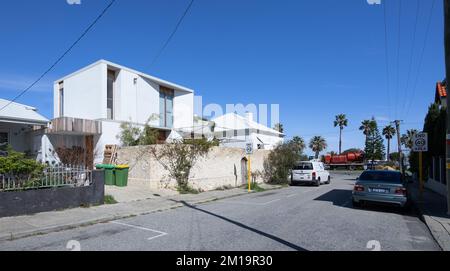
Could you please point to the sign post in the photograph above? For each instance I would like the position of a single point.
(420, 145)
(249, 152)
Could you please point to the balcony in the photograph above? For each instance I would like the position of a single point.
(72, 126)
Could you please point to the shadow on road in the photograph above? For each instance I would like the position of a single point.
(275, 238)
(343, 198)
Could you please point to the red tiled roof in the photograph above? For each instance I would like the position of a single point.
(441, 90)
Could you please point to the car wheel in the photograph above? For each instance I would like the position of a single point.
(318, 182)
(329, 180)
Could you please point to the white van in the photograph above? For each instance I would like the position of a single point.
(312, 172)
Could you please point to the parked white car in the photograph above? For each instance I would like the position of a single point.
(312, 172)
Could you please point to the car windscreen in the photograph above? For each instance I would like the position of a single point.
(304, 166)
(381, 176)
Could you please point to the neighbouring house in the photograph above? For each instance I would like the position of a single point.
(441, 94)
(91, 104)
(236, 131)
(435, 126)
(17, 124)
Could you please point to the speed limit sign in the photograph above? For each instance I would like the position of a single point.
(420, 142)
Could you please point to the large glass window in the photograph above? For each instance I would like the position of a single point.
(110, 95)
(166, 98)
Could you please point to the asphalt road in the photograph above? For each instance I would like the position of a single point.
(294, 218)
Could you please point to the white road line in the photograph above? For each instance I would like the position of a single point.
(161, 234)
(291, 196)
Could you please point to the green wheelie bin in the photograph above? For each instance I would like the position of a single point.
(110, 176)
(122, 175)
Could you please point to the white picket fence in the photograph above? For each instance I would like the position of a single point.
(58, 176)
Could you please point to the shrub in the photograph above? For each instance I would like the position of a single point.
(280, 162)
(179, 158)
(18, 166)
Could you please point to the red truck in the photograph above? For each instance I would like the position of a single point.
(350, 160)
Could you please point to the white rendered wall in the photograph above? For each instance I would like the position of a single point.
(84, 94)
(183, 109)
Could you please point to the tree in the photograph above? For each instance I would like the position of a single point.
(389, 132)
(408, 138)
(298, 144)
(367, 127)
(179, 157)
(317, 145)
(341, 122)
(282, 160)
(134, 135)
(375, 149)
(129, 134)
(279, 127)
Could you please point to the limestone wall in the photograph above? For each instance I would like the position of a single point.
(221, 167)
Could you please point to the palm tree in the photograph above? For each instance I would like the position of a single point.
(341, 121)
(299, 144)
(318, 144)
(389, 132)
(367, 127)
(408, 138)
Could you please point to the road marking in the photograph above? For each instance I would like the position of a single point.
(161, 234)
(290, 196)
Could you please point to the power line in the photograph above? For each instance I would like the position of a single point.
(411, 58)
(421, 58)
(180, 21)
(398, 56)
(62, 56)
(387, 57)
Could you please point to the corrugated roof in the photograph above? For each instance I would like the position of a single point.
(234, 121)
(20, 113)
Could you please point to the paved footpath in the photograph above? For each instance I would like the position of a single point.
(295, 218)
(433, 209)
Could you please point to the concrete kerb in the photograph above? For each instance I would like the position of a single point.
(431, 225)
(59, 228)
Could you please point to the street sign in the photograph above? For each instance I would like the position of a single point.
(420, 142)
(249, 148)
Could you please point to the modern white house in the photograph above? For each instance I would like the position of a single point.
(17, 123)
(104, 95)
(237, 131)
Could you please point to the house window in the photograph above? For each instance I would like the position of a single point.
(235, 132)
(166, 97)
(61, 99)
(110, 95)
(224, 134)
(4, 138)
(247, 132)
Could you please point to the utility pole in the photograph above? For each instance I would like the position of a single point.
(399, 141)
(447, 64)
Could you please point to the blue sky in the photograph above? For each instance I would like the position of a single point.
(315, 58)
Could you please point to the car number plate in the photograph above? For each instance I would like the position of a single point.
(379, 190)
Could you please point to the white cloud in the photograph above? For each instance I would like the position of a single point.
(74, 2)
(374, 2)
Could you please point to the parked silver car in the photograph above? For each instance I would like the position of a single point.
(388, 187)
